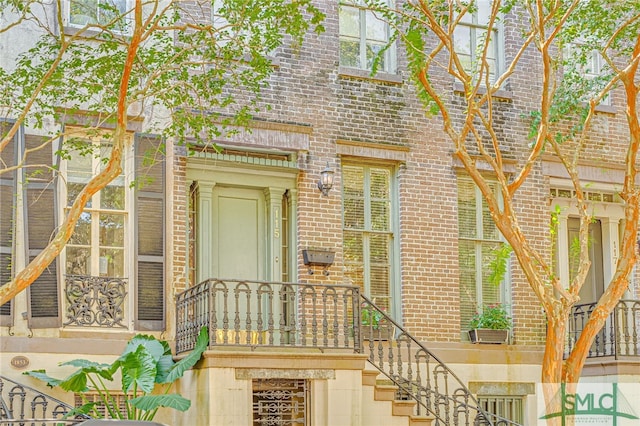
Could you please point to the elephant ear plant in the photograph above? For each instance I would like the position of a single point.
(145, 363)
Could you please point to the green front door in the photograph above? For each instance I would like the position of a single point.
(239, 235)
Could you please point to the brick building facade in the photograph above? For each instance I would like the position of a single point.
(391, 220)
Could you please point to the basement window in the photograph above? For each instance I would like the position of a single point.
(280, 402)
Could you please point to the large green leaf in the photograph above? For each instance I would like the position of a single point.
(104, 370)
(151, 402)
(153, 346)
(76, 382)
(189, 361)
(42, 375)
(138, 369)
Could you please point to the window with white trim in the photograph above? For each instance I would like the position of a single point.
(469, 38)
(591, 66)
(98, 246)
(362, 37)
(368, 230)
(83, 12)
(478, 238)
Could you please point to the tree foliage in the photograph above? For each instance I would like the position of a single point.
(562, 37)
(191, 70)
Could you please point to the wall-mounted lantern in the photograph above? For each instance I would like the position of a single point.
(326, 180)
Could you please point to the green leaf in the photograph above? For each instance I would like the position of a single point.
(190, 360)
(139, 370)
(41, 375)
(151, 402)
(150, 343)
(76, 382)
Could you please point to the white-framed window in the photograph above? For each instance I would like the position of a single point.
(368, 230)
(362, 36)
(478, 238)
(82, 12)
(101, 243)
(592, 68)
(469, 38)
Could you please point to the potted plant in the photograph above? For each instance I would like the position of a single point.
(491, 324)
(374, 324)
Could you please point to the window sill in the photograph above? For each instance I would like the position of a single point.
(366, 75)
(90, 32)
(500, 94)
(607, 109)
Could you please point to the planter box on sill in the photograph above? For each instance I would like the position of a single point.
(382, 332)
(485, 335)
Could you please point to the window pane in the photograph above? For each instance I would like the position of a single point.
(111, 230)
(468, 297)
(78, 261)
(380, 183)
(350, 53)
(112, 197)
(353, 181)
(353, 214)
(489, 229)
(82, 234)
(373, 50)
(490, 292)
(379, 248)
(379, 283)
(380, 215)
(73, 189)
(352, 247)
(466, 209)
(349, 21)
(83, 12)
(484, 11)
(376, 29)
(354, 275)
(111, 262)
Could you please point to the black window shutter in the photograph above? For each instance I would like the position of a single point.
(44, 305)
(150, 291)
(7, 210)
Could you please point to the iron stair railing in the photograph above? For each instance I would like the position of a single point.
(24, 405)
(419, 374)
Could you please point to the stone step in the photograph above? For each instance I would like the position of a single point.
(369, 377)
(402, 408)
(421, 420)
(384, 392)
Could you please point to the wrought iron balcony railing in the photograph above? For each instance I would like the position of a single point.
(258, 313)
(620, 335)
(95, 301)
(22, 405)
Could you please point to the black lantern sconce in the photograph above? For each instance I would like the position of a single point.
(326, 180)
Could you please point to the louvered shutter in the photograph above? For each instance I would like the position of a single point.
(7, 210)
(150, 201)
(40, 203)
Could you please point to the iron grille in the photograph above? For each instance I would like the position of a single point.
(280, 402)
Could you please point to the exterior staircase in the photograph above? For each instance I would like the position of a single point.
(417, 374)
(384, 396)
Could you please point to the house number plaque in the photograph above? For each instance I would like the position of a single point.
(20, 362)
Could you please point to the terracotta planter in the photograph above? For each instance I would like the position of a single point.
(485, 335)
